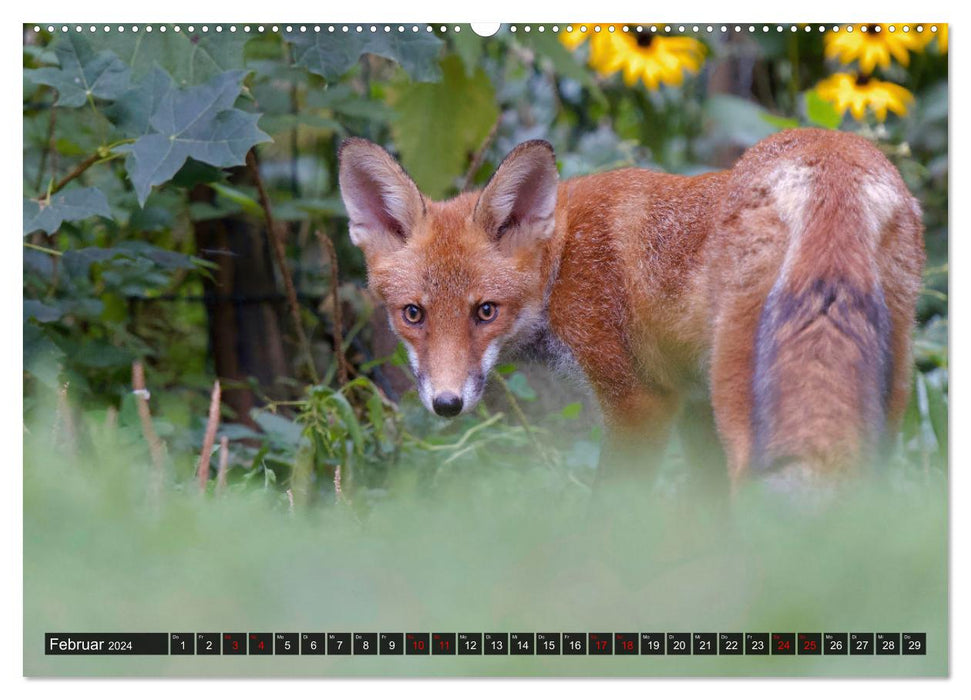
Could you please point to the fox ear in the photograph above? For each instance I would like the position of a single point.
(518, 204)
(382, 202)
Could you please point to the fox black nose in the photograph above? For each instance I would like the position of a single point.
(447, 404)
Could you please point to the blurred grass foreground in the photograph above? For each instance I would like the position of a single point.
(521, 549)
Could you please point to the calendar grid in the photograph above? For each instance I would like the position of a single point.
(488, 644)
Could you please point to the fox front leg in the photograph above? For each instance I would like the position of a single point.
(638, 425)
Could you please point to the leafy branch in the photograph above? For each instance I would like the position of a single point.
(102, 155)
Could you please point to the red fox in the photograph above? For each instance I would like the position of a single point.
(788, 283)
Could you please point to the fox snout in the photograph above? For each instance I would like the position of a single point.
(448, 396)
(447, 404)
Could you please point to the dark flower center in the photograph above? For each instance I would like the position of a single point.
(862, 80)
(644, 39)
(873, 29)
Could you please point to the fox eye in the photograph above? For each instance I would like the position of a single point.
(486, 312)
(413, 314)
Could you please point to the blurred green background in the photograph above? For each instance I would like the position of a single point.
(181, 216)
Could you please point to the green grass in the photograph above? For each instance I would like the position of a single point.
(510, 549)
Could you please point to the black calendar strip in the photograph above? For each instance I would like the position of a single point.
(488, 643)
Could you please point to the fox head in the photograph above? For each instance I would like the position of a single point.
(459, 278)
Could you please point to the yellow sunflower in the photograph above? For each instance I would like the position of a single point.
(874, 46)
(942, 38)
(643, 55)
(857, 93)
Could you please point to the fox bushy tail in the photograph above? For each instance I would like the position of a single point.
(823, 360)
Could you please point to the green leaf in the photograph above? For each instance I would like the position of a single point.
(376, 417)
(400, 356)
(821, 112)
(82, 73)
(280, 431)
(38, 263)
(237, 431)
(572, 410)
(100, 354)
(195, 173)
(190, 59)
(166, 259)
(42, 358)
(781, 122)
(438, 125)
(133, 110)
(937, 404)
(930, 343)
(332, 55)
(204, 211)
(349, 420)
(40, 311)
(468, 45)
(927, 436)
(69, 205)
(245, 202)
(197, 122)
(519, 386)
(78, 262)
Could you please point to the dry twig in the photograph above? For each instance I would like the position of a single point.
(223, 465)
(279, 253)
(155, 446)
(64, 425)
(338, 494)
(331, 259)
(77, 171)
(340, 498)
(212, 425)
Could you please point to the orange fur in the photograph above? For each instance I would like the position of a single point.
(788, 282)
